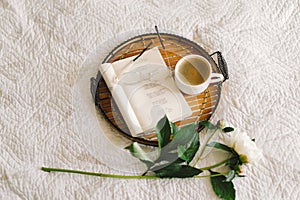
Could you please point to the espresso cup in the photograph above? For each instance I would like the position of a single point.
(193, 74)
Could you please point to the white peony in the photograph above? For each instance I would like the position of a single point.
(243, 145)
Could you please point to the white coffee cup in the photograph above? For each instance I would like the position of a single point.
(193, 74)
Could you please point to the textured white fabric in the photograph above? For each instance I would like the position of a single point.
(44, 43)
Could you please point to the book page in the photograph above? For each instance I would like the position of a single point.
(152, 93)
(148, 91)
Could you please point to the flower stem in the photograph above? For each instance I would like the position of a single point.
(208, 176)
(215, 165)
(47, 169)
(204, 146)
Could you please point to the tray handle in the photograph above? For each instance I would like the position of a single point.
(222, 65)
(94, 85)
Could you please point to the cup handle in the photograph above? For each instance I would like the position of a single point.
(217, 78)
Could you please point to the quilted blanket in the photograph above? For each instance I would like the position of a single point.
(43, 48)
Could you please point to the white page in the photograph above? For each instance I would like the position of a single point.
(148, 91)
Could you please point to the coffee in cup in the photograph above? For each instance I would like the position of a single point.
(193, 74)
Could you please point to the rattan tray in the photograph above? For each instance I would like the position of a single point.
(202, 105)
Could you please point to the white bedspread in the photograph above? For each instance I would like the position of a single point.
(44, 43)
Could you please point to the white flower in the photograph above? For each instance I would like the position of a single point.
(244, 146)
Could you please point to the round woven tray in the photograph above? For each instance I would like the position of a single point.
(202, 105)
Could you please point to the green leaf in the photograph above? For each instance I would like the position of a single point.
(177, 170)
(139, 153)
(188, 153)
(166, 158)
(175, 128)
(218, 145)
(184, 136)
(160, 164)
(163, 132)
(181, 150)
(227, 129)
(224, 190)
(207, 124)
(169, 164)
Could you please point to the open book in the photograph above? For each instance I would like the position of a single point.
(144, 91)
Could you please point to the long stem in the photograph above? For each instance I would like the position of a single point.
(208, 176)
(215, 165)
(204, 146)
(47, 169)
